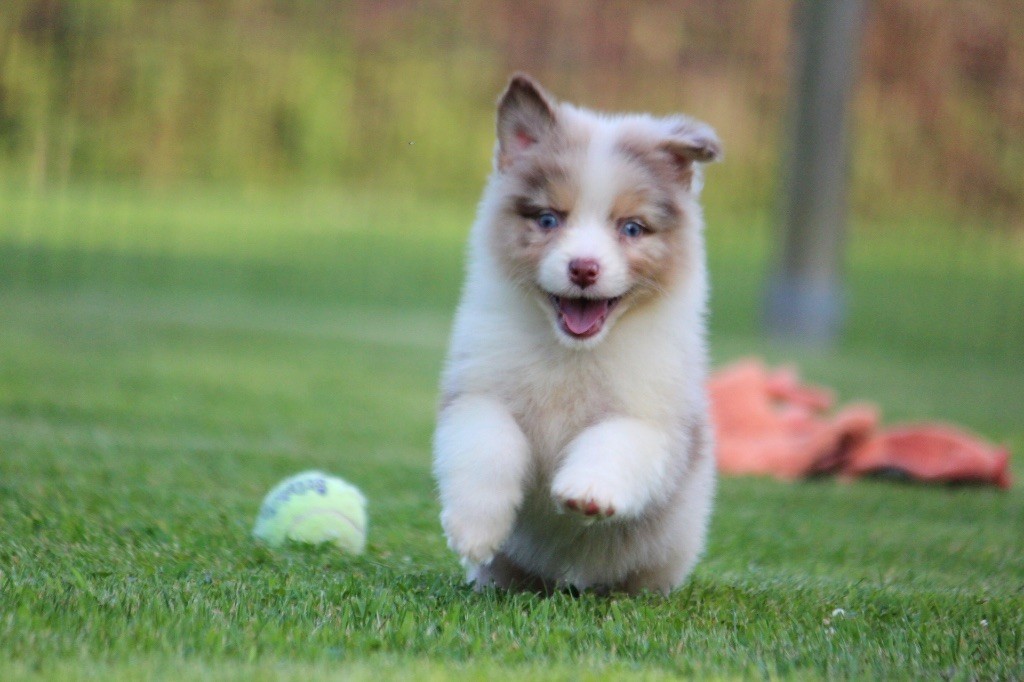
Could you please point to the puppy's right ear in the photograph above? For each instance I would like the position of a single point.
(526, 115)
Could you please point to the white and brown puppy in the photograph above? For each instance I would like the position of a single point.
(573, 446)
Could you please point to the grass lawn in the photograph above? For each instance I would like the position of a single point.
(165, 360)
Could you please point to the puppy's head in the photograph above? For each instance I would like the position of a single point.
(594, 211)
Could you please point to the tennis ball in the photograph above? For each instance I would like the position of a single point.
(313, 507)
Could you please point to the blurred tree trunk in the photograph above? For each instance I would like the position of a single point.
(804, 291)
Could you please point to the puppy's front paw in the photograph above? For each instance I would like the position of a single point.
(586, 498)
(476, 538)
(589, 507)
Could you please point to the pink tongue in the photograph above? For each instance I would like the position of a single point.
(582, 315)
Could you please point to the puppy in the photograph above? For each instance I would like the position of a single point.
(573, 446)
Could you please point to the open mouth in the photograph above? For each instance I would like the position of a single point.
(582, 318)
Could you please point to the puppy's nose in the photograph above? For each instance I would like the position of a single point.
(584, 271)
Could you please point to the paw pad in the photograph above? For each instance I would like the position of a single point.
(589, 508)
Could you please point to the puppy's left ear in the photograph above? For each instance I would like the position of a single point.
(690, 142)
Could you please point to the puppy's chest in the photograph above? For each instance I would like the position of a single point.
(553, 405)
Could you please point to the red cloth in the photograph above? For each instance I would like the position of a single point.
(769, 423)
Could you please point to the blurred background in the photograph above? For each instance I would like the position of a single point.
(330, 153)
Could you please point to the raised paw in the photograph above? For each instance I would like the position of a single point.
(592, 498)
(589, 507)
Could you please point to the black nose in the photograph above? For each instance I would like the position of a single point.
(584, 271)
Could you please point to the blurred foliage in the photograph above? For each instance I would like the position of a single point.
(396, 92)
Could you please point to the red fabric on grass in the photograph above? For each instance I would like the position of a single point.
(768, 422)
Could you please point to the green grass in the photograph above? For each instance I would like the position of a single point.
(165, 361)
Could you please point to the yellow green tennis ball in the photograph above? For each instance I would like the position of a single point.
(313, 507)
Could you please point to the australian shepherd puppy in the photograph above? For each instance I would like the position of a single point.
(573, 447)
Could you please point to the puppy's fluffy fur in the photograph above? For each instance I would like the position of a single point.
(573, 446)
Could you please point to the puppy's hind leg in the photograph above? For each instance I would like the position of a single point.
(481, 457)
(504, 573)
(684, 526)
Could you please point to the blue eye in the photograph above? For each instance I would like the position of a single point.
(632, 229)
(547, 220)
